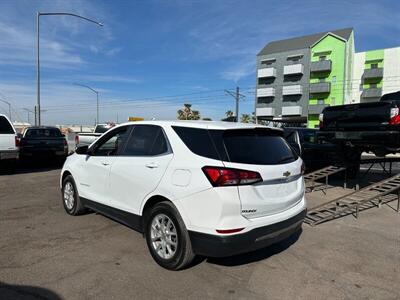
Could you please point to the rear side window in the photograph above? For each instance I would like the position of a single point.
(5, 126)
(248, 146)
(146, 140)
(45, 132)
(259, 147)
(198, 141)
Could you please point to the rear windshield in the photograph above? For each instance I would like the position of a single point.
(5, 126)
(102, 128)
(247, 146)
(43, 132)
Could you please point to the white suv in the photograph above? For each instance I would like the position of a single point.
(9, 145)
(206, 188)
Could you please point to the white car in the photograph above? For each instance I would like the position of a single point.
(193, 188)
(9, 145)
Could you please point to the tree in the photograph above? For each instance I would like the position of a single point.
(229, 114)
(246, 118)
(187, 113)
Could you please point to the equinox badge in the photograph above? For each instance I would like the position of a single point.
(286, 174)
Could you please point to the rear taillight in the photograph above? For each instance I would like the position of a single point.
(65, 143)
(17, 142)
(77, 140)
(321, 120)
(219, 176)
(303, 168)
(394, 116)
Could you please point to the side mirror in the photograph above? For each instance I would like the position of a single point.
(83, 150)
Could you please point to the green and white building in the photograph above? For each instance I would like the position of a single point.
(297, 78)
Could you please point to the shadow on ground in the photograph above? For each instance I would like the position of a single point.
(25, 292)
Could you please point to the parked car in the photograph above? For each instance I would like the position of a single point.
(43, 142)
(316, 153)
(86, 138)
(193, 188)
(9, 145)
(373, 126)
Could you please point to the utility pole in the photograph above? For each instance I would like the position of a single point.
(237, 97)
(36, 123)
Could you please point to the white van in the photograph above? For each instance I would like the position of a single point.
(9, 145)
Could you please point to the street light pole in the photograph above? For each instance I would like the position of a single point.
(9, 107)
(97, 99)
(38, 50)
(29, 112)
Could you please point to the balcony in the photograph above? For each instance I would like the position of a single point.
(372, 93)
(266, 73)
(265, 111)
(373, 73)
(289, 90)
(291, 111)
(266, 92)
(320, 87)
(316, 109)
(321, 66)
(293, 69)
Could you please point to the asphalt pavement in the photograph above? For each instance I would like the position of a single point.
(47, 254)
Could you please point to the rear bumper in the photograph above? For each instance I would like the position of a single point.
(9, 154)
(220, 246)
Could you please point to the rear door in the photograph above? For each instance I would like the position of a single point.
(266, 152)
(7, 135)
(138, 171)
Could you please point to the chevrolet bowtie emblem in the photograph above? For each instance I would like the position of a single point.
(286, 174)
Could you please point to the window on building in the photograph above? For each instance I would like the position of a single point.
(373, 86)
(322, 79)
(321, 101)
(333, 79)
(322, 57)
(374, 66)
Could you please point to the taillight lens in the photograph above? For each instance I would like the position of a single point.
(303, 168)
(321, 120)
(77, 139)
(219, 176)
(394, 116)
(17, 142)
(65, 143)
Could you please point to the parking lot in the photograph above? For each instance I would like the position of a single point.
(47, 254)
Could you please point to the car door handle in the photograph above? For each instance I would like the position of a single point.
(105, 164)
(152, 165)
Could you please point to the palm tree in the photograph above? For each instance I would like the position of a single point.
(246, 118)
(187, 113)
(229, 113)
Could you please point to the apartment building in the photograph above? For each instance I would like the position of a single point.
(298, 77)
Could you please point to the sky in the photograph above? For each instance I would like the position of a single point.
(152, 56)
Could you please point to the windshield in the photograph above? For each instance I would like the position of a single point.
(43, 132)
(102, 128)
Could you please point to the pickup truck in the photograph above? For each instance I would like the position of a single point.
(9, 145)
(373, 126)
(44, 142)
(87, 138)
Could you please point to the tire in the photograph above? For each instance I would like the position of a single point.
(70, 197)
(180, 253)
